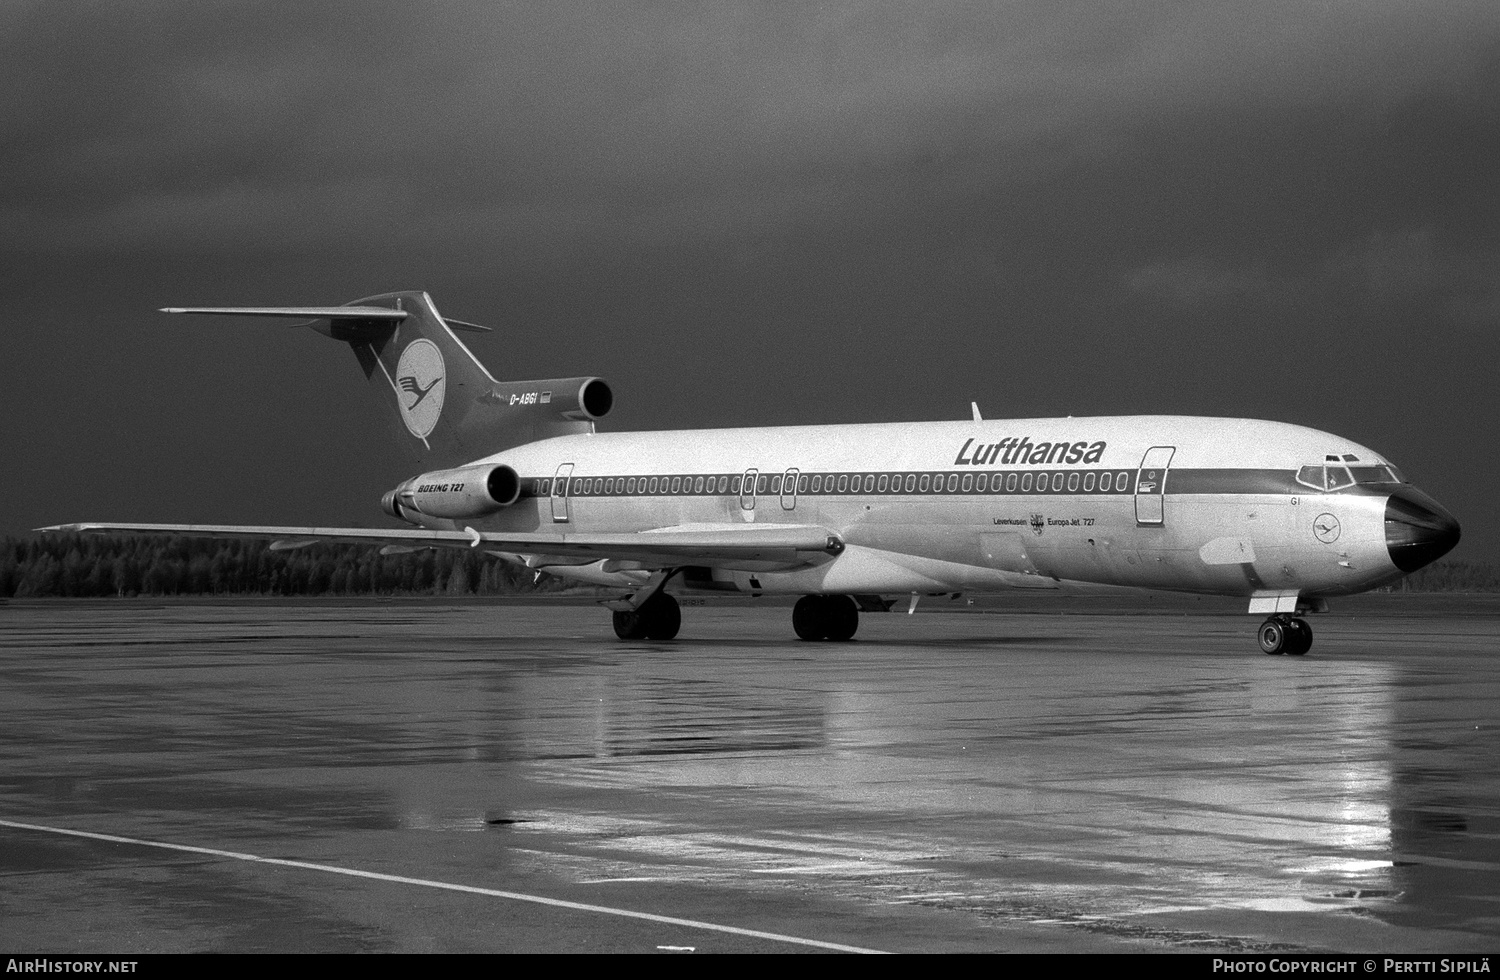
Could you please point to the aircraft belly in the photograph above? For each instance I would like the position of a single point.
(1225, 544)
(862, 569)
(941, 542)
(1219, 543)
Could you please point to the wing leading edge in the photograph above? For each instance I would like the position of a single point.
(725, 546)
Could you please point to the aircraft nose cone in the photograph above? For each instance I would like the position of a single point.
(1418, 531)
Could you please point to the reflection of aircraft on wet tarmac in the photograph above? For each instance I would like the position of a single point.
(845, 515)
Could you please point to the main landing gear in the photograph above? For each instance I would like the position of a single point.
(658, 619)
(825, 617)
(1285, 635)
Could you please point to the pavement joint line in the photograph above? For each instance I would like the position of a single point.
(443, 885)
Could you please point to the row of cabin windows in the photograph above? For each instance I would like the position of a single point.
(1045, 481)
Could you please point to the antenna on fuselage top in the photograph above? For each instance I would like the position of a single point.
(974, 406)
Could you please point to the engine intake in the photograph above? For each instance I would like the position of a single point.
(457, 494)
(595, 398)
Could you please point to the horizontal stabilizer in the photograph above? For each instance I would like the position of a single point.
(466, 325)
(298, 312)
(319, 313)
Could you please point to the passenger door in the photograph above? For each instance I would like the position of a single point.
(1151, 485)
(560, 493)
(789, 489)
(747, 490)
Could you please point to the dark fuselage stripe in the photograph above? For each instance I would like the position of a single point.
(946, 483)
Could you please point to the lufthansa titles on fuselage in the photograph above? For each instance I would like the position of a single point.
(1024, 451)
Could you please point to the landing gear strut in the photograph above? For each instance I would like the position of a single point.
(825, 617)
(1285, 635)
(658, 619)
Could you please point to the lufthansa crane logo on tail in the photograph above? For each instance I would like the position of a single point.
(409, 384)
(420, 377)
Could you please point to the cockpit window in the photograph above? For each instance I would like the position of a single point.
(1336, 477)
(1375, 474)
(1325, 476)
(1337, 473)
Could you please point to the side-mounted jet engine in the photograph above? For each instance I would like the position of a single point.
(466, 493)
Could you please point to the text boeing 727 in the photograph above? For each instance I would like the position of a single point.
(845, 515)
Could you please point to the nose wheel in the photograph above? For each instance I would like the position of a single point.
(1285, 635)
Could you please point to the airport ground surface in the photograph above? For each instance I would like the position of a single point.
(1023, 775)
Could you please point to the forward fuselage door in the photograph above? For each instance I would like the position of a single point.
(1151, 484)
(560, 493)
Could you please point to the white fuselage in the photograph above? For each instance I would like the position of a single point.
(1165, 502)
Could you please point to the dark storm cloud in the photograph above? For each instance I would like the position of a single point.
(238, 125)
(872, 210)
(1408, 267)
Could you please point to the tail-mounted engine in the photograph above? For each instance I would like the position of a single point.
(458, 494)
(514, 412)
(573, 399)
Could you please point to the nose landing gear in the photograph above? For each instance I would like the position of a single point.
(1285, 635)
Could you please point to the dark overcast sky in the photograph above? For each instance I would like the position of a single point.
(740, 214)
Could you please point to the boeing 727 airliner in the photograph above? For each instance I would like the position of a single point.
(851, 516)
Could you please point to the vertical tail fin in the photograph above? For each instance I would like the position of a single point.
(451, 409)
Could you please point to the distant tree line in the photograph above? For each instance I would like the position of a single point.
(1452, 575)
(128, 565)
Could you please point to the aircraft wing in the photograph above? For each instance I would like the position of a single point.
(752, 546)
